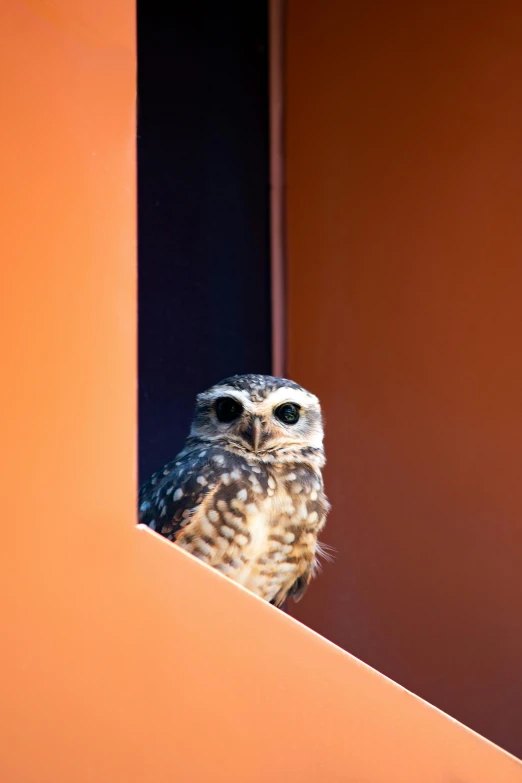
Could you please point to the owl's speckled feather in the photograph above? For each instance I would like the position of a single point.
(246, 495)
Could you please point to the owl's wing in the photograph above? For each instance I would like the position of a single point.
(172, 495)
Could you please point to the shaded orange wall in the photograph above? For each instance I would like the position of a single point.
(404, 209)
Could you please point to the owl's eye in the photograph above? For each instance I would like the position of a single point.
(288, 413)
(228, 409)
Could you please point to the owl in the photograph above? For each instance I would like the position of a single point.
(245, 494)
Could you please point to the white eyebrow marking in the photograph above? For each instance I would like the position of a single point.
(226, 391)
(287, 394)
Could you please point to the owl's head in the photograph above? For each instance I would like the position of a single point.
(260, 414)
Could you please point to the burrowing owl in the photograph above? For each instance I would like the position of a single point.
(246, 493)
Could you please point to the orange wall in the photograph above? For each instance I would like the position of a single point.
(404, 209)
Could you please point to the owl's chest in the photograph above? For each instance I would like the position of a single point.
(280, 539)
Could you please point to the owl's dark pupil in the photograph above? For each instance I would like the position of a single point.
(288, 413)
(228, 409)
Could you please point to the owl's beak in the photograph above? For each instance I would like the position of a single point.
(256, 433)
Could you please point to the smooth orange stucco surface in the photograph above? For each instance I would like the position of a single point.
(122, 658)
(404, 211)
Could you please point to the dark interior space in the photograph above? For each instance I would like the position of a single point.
(203, 209)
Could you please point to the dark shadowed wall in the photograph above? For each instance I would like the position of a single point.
(203, 169)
